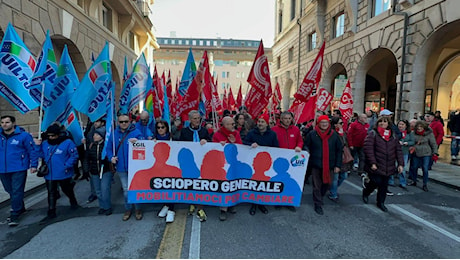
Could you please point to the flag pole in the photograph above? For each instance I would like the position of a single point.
(40, 116)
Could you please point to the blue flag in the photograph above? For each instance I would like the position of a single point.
(188, 75)
(17, 66)
(109, 125)
(45, 73)
(125, 71)
(90, 98)
(60, 109)
(136, 87)
(166, 114)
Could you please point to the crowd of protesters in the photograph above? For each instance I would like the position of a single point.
(369, 144)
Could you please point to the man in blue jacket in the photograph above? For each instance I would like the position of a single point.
(146, 127)
(15, 150)
(124, 133)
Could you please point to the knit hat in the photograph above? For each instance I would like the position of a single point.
(100, 131)
(323, 117)
(265, 117)
(53, 129)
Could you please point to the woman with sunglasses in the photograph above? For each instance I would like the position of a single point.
(162, 134)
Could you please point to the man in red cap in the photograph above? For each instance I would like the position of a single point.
(325, 150)
(262, 135)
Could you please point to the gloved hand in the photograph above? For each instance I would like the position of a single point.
(435, 157)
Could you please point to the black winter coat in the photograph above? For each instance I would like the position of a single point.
(93, 162)
(314, 145)
(186, 134)
(382, 153)
(268, 138)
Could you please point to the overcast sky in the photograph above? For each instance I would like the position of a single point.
(236, 19)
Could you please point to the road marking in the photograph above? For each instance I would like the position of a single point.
(195, 239)
(427, 223)
(173, 237)
(415, 217)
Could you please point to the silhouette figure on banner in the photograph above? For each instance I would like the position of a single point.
(141, 180)
(261, 163)
(291, 187)
(187, 164)
(237, 169)
(213, 166)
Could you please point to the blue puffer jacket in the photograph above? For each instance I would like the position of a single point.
(15, 151)
(60, 158)
(131, 132)
(145, 130)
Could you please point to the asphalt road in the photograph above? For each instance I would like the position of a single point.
(418, 225)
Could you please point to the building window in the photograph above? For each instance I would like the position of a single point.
(193, 42)
(180, 42)
(166, 41)
(280, 21)
(237, 75)
(228, 74)
(173, 41)
(201, 42)
(291, 54)
(278, 62)
(106, 17)
(187, 42)
(339, 25)
(223, 74)
(293, 3)
(242, 75)
(380, 6)
(312, 41)
(223, 85)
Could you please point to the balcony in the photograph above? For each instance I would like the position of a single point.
(144, 7)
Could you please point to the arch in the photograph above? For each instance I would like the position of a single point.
(287, 95)
(75, 54)
(429, 59)
(334, 70)
(377, 66)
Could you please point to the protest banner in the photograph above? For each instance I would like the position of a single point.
(212, 174)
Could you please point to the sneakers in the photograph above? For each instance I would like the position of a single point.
(263, 209)
(191, 210)
(319, 210)
(138, 214)
(252, 210)
(403, 187)
(127, 215)
(223, 215)
(108, 212)
(164, 210)
(91, 198)
(355, 166)
(425, 188)
(334, 199)
(201, 215)
(454, 157)
(13, 221)
(170, 216)
(389, 193)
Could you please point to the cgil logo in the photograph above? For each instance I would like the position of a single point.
(138, 145)
(298, 160)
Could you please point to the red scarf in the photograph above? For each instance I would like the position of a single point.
(384, 133)
(420, 132)
(339, 131)
(404, 134)
(325, 138)
(226, 133)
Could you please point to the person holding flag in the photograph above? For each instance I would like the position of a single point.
(117, 151)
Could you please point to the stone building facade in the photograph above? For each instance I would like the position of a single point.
(402, 55)
(84, 26)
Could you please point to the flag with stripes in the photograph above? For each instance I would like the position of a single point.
(90, 98)
(17, 66)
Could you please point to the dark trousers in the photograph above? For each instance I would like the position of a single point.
(319, 187)
(66, 187)
(358, 152)
(380, 183)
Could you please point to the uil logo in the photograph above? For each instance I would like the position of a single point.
(298, 160)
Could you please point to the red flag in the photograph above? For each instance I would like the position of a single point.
(230, 100)
(225, 100)
(276, 98)
(209, 96)
(239, 98)
(158, 86)
(346, 103)
(261, 89)
(191, 99)
(307, 90)
(324, 98)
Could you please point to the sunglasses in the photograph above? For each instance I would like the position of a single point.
(51, 135)
(341, 123)
(123, 122)
(161, 127)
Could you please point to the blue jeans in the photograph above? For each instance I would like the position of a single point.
(402, 175)
(417, 162)
(336, 182)
(454, 144)
(103, 189)
(14, 183)
(124, 184)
